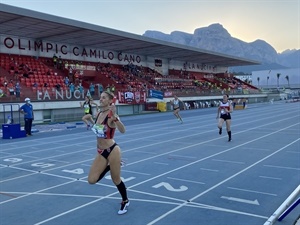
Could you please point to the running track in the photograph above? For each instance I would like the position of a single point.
(176, 174)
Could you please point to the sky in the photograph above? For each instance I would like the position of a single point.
(275, 21)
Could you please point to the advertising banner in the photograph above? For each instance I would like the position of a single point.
(128, 97)
(156, 94)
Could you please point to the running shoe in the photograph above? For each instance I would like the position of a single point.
(124, 206)
(220, 131)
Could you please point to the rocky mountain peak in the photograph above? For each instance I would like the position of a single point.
(217, 39)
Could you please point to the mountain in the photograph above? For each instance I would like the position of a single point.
(290, 58)
(217, 39)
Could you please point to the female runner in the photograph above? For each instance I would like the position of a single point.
(109, 152)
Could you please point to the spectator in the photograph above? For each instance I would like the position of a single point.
(54, 59)
(57, 87)
(27, 110)
(71, 71)
(100, 89)
(72, 88)
(11, 89)
(80, 88)
(18, 90)
(92, 89)
(66, 65)
(67, 81)
(25, 74)
(60, 63)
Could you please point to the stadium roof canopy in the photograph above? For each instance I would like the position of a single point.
(19, 22)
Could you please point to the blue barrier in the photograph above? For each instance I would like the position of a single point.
(289, 209)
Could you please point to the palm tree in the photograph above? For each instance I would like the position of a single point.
(258, 81)
(268, 80)
(288, 80)
(278, 75)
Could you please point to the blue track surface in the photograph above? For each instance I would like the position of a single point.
(176, 174)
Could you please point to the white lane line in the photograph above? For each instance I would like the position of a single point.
(272, 178)
(211, 170)
(252, 191)
(60, 151)
(87, 165)
(293, 152)
(214, 145)
(55, 160)
(227, 161)
(190, 181)
(259, 149)
(88, 154)
(159, 163)
(282, 167)
(151, 153)
(28, 156)
(184, 156)
(7, 153)
(129, 171)
(57, 194)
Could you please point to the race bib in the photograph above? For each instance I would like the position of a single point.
(222, 111)
(86, 108)
(99, 130)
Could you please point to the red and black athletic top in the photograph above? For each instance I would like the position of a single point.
(225, 105)
(109, 132)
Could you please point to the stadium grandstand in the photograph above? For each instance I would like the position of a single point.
(49, 58)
